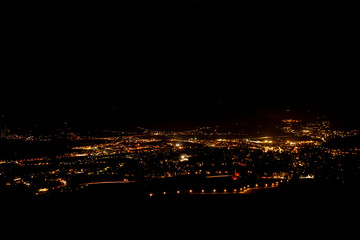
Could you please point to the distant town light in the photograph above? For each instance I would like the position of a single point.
(184, 157)
(43, 190)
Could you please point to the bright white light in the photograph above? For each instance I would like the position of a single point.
(184, 157)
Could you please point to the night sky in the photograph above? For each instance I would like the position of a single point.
(196, 68)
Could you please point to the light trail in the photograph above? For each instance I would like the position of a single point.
(218, 176)
(108, 182)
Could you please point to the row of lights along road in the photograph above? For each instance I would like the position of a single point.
(216, 191)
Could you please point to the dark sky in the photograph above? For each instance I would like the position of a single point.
(195, 67)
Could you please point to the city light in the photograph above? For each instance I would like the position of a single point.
(209, 159)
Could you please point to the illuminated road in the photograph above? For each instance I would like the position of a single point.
(250, 190)
(216, 191)
(107, 182)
